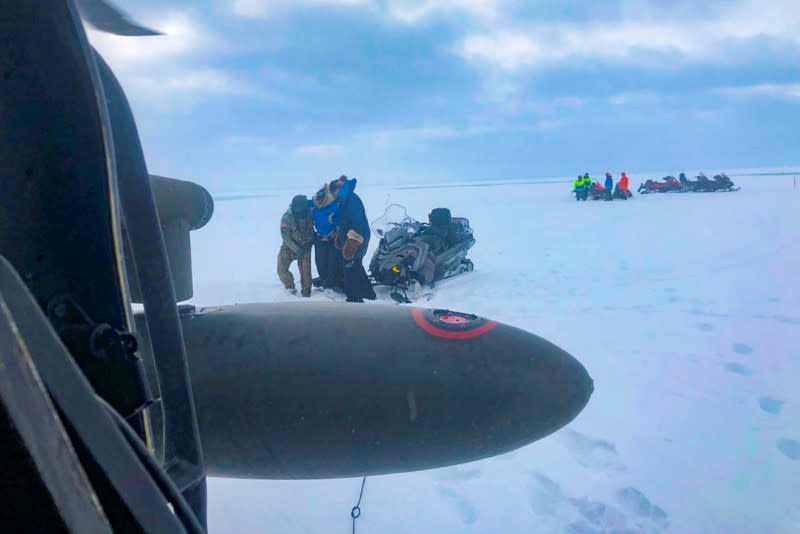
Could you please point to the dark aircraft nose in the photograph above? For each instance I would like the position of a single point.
(325, 390)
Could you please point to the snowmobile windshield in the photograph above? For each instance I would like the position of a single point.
(395, 216)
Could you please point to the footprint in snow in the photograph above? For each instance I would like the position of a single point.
(634, 512)
(774, 299)
(600, 514)
(582, 527)
(742, 348)
(545, 495)
(465, 509)
(705, 327)
(790, 448)
(786, 319)
(770, 405)
(738, 369)
(636, 503)
(591, 452)
(551, 506)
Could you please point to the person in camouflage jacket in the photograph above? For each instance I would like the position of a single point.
(297, 232)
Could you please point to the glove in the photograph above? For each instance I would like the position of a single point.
(350, 248)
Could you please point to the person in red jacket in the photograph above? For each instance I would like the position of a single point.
(623, 183)
(621, 189)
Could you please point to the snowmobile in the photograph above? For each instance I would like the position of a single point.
(669, 185)
(720, 182)
(598, 192)
(414, 253)
(618, 193)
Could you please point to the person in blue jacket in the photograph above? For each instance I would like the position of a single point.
(352, 237)
(609, 185)
(324, 209)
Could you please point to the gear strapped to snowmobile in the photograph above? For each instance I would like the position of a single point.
(411, 252)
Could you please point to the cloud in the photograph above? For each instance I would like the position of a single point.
(784, 91)
(250, 8)
(250, 143)
(433, 132)
(405, 135)
(546, 125)
(183, 37)
(265, 8)
(507, 94)
(651, 39)
(410, 12)
(706, 114)
(635, 98)
(322, 150)
(419, 11)
(197, 82)
(174, 68)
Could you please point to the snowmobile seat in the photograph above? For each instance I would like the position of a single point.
(434, 238)
(461, 222)
(439, 218)
(459, 228)
(436, 234)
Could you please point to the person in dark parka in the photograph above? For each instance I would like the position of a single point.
(352, 237)
(609, 185)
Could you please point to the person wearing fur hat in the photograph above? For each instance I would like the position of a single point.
(297, 232)
(352, 238)
(326, 256)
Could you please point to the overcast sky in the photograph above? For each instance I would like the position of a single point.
(243, 94)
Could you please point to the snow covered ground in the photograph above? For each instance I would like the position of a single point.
(685, 309)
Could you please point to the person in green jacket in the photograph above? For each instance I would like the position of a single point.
(577, 187)
(587, 185)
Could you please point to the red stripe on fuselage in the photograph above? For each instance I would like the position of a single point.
(450, 334)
